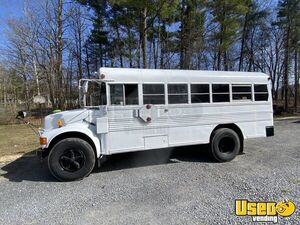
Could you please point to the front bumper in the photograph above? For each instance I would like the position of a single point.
(41, 153)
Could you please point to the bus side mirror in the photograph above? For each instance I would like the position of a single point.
(21, 115)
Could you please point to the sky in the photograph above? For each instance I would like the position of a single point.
(14, 9)
(9, 9)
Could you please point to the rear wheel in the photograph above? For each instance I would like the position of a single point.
(71, 159)
(225, 145)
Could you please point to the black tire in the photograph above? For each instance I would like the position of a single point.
(71, 159)
(225, 145)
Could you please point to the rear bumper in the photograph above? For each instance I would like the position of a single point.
(270, 131)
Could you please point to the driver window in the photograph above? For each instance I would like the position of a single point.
(96, 94)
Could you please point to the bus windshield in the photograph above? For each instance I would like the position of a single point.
(92, 93)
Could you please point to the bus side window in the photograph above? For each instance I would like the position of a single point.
(200, 93)
(131, 94)
(261, 92)
(124, 94)
(241, 92)
(116, 94)
(220, 92)
(154, 94)
(177, 93)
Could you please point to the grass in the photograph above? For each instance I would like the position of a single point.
(17, 139)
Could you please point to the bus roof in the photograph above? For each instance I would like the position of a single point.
(126, 75)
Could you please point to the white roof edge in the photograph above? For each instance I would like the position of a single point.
(162, 75)
(111, 69)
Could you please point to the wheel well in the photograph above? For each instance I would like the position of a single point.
(69, 135)
(233, 127)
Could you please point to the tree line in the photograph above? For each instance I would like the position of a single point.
(57, 42)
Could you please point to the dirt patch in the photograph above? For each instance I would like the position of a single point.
(10, 158)
(17, 140)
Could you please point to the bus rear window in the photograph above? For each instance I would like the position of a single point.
(261, 92)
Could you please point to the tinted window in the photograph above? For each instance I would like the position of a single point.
(241, 96)
(178, 93)
(261, 97)
(220, 92)
(204, 98)
(261, 92)
(155, 100)
(96, 94)
(153, 89)
(200, 88)
(178, 99)
(241, 92)
(260, 88)
(177, 89)
(116, 94)
(154, 93)
(131, 94)
(220, 88)
(103, 98)
(199, 93)
(220, 98)
(241, 88)
(124, 94)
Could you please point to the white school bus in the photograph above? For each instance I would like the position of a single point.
(126, 110)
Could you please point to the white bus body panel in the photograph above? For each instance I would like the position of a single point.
(182, 124)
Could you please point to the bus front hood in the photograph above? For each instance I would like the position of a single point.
(64, 118)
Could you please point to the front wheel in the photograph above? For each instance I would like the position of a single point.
(71, 159)
(225, 145)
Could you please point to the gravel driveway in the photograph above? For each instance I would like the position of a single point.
(173, 186)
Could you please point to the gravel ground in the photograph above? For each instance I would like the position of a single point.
(173, 186)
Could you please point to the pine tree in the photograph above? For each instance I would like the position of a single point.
(288, 19)
(252, 19)
(191, 30)
(227, 14)
(98, 37)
